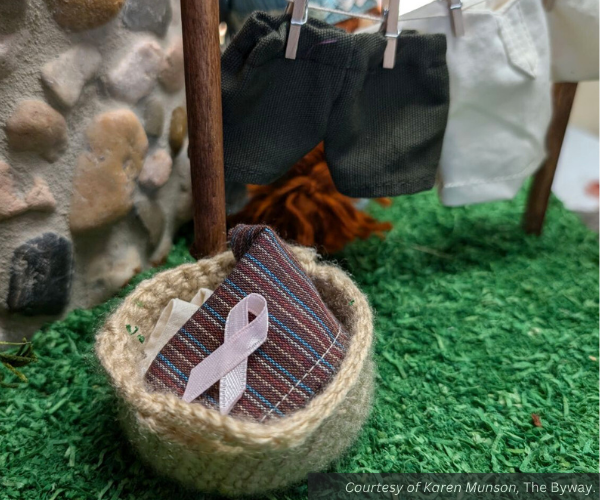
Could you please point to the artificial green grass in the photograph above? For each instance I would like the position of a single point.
(478, 326)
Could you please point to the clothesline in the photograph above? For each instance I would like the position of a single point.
(358, 15)
(376, 18)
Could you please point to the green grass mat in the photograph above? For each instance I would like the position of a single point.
(478, 326)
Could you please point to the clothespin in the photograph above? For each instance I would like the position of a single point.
(458, 23)
(223, 28)
(391, 13)
(299, 17)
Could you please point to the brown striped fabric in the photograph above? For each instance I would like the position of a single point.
(305, 344)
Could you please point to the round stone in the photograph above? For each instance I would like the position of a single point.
(178, 129)
(172, 75)
(35, 126)
(79, 15)
(154, 117)
(134, 76)
(148, 15)
(66, 75)
(105, 176)
(156, 170)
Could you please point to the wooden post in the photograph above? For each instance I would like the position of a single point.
(202, 55)
(563, 95)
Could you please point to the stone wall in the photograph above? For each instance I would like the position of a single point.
(94, 176)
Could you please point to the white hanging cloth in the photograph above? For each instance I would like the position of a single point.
(500, 96)
(574, 39)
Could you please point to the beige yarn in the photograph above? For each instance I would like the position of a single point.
(205, 450)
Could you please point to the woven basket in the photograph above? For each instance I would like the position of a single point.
(204, 450)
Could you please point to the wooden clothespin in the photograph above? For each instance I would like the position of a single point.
(299, 11)
(391, 13)
(456, 14)
(299, 17)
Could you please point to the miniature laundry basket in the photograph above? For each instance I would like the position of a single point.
(202, 449)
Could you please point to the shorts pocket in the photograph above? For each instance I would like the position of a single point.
(517, 39)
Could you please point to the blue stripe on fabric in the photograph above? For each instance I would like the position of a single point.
(264, 400)
(297, 337)
(283, 370)
(231, 283)
(172, 366)
(294, 297)
(181, 374)
(275, 240)
(214, 313)
(196, 341)
(291, 261)
(302, 341)
(261, 352)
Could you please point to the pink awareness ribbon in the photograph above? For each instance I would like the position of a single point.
(229, 362)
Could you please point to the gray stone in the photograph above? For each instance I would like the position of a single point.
(148, 15)
(41, 272)
(66, 75)
(154, 117)
(134, 76)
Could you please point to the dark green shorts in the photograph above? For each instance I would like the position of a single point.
(382, 128)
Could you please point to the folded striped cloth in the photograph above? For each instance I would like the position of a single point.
(304, 346)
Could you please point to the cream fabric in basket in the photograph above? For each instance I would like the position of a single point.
(171, 319)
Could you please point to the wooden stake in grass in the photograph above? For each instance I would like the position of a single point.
(202, 62)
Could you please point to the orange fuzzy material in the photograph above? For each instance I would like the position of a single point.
(304, 206)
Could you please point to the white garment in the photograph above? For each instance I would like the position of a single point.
(573, 28)
(171, 319)
(500, 96)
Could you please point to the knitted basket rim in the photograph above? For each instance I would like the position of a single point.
(175, 419)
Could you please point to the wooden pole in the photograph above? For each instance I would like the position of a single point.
(202, 56)
(563, 95)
